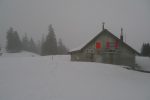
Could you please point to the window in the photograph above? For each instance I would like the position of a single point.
(116, 44)
(98, 45)
(112, 45)
(108, 44)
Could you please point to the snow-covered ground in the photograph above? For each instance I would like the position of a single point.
(56, 78)
(143, 62)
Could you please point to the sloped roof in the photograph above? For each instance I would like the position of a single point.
(103, 31)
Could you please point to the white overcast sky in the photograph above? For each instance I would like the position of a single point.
(76, 21)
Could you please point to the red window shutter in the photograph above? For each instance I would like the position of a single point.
(98, 45)
(107, 45)
(116, 44)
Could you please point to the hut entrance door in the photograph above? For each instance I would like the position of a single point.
(98, 59)
(110, 61)
(92, 57)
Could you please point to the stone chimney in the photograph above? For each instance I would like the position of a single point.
(121, 35)
(103, 26)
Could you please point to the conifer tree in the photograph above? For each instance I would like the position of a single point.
(145, 51)
(25, 42)
(9, 46)
(32, 46)
(49, 47)
(13, 41)
(29, 45)
(17, 42)
(62, 48)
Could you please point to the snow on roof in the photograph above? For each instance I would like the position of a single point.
(82, 45)
(76, 49)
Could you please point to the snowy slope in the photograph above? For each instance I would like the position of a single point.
(56, 78)
(20, 54)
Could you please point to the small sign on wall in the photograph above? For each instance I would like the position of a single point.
(90, 51)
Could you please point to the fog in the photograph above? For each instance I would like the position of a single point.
(76, 21)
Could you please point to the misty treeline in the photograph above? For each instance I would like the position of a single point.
(47, 46)
(145, 50)
(50, 46)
